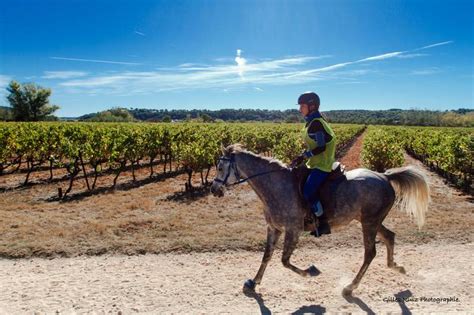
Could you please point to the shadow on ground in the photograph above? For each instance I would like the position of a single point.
(193, 194)
(120, 187)
(305, 309)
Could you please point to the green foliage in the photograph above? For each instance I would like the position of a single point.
(5, 114)
(293, 118)
(196, 146)
(455, 119)
(288, 147)
(30, 102)
(206, 118)
(192, 146)
(112, 115)
(448, 149)
(381, 150)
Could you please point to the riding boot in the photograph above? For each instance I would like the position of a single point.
(323, 226)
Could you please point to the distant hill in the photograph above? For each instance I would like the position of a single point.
(460, 117)
(222, 114)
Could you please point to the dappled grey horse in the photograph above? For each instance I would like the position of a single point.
(365, 196)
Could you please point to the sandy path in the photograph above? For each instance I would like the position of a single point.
(352, 157)
(212, 282)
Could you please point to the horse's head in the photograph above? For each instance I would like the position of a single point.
(227, 173)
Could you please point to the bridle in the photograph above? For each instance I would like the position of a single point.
(232, 165)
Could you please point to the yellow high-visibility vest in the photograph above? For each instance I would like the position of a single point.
(325, 159)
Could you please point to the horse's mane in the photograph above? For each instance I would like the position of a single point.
(238, 148)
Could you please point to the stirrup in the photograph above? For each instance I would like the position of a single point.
(322, 229)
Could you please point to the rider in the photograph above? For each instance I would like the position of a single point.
(320, 141)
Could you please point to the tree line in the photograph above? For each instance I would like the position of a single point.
(30, 102)
(412, 117)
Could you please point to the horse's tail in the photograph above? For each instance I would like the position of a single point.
(412, 191)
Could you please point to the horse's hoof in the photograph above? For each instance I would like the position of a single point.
(313, 271)
(249, 285)
(401, 270)
(347, 292)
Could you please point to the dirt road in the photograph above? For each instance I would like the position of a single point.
(212, 283)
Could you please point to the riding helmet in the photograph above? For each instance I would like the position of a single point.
(309, 98)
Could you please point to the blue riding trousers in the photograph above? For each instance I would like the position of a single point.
(311, 188)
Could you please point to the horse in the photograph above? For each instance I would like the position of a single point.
(364, 195)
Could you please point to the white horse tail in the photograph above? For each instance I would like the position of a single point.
(412, 191)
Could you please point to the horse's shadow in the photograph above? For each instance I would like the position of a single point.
(363, 306)
(310, 309)
(318, 309)
(401, 296)
(264, 310)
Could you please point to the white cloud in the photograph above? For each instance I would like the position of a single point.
(428, 71)
(240, 63)
(98, 81)
(97, 61)
(139, 33)
(350, 82)
(258, 89)
(63, 74)
(4, 80)
(382, 57)
(187, 76)
(408, 56)
(231, 76)
(435, 45)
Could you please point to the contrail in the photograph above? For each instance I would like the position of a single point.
(98, 61)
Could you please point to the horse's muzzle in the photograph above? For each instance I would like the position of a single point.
(217, 190)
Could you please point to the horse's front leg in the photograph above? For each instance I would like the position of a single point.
(291, 240)
(272, 237)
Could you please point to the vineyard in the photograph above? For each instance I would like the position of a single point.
(448, 151)
(90, 150)
(94, 149)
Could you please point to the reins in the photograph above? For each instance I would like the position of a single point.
(237, 174)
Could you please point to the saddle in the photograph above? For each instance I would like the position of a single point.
(301, 173)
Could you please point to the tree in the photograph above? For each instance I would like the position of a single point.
(206, 118)
(5, 113)
(115, 114)
(30, 102)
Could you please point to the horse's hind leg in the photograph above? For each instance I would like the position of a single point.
(388, 238)
(291, 239)
(370, 231)
(272, 237)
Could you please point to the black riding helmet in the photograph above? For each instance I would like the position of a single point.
(309, 98)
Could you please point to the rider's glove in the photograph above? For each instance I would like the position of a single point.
(297, 161)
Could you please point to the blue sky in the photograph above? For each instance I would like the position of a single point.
(240, 54)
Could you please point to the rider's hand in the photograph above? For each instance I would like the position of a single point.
(297, 161)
